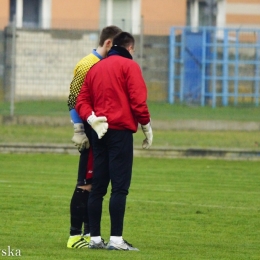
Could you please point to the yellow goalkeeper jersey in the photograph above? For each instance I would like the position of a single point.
(80, 71)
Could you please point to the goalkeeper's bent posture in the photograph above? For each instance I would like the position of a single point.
(79, 200)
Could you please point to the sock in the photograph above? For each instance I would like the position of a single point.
(78, 208)
(85, 216)
(96, 239)
(116, 239)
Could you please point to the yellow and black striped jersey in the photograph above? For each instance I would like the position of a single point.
(80, 71)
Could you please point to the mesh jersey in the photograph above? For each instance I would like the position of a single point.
(80, 71)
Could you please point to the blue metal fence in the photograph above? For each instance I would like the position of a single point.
(214, 66)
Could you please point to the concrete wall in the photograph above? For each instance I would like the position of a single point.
(160, 15)
(75, 14)
(155, 66)
(243, 14)
(45, 60)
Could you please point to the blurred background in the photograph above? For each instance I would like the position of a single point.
(200, 60)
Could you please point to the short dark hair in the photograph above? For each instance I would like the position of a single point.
(124, 39)
(108, 32)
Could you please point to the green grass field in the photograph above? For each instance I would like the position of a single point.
(158, 110)
(176, 209)
(204, 139)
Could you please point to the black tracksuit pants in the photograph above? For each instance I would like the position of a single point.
(113, 160)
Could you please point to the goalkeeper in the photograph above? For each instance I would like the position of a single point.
(79, 200)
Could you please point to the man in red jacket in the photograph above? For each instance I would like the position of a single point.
(113, 101)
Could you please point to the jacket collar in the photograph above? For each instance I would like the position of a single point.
(117, 50)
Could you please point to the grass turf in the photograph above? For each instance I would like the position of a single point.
(203, 139)
(176, 209)
(158, 110)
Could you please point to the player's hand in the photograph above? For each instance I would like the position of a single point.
(148, 132)
(79, 138)
(99, 124)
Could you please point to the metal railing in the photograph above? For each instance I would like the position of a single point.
(214, 66)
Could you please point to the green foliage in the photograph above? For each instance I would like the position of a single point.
(176, 209)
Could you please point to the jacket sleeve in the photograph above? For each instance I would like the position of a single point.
(137, 94)
(83, 104)
(75, 86)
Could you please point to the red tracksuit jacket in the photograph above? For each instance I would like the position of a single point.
(115, 88)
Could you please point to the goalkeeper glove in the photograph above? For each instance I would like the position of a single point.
(99, 124)
(79, 138)
(148, 132)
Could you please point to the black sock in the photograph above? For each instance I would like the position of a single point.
(78, 211)
(85, 216)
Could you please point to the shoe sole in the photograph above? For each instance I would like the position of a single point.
(96, 247)
(115, 248)
(78, 245)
